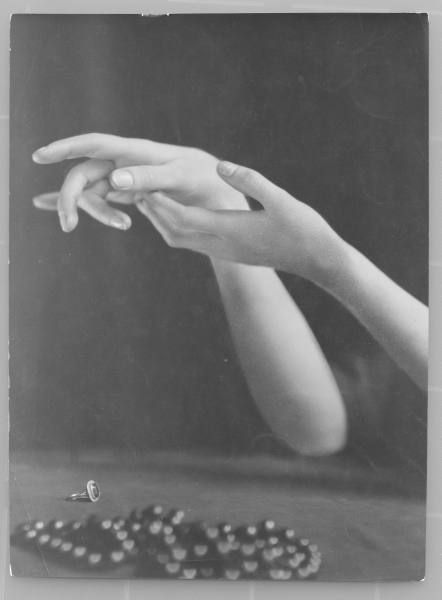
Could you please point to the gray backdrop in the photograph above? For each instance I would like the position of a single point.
(117, 339)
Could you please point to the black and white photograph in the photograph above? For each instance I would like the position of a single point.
(218, 296)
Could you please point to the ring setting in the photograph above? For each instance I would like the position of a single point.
(90, 494)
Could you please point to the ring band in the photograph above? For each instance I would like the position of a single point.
(90, 494)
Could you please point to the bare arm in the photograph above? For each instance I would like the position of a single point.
(397, 320)
(286, 371)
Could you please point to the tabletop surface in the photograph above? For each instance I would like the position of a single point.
(365, 530)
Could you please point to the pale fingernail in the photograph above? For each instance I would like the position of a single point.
(67, 222)
(36, 155)
(119, 224)
(63, 222)
(226, 168)
(122, 179)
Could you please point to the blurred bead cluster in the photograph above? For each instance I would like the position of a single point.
(161, 543)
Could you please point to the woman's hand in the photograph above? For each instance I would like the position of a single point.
(187, 175)
(287, 234)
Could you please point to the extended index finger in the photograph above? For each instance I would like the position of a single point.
(105, 147)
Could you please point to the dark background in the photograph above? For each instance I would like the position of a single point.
(118, 340)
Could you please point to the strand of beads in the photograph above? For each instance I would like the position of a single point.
(162, 544)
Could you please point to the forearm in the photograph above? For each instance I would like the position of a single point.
(285, 369)
(397, 320)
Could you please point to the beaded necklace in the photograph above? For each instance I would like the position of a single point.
(161, 544)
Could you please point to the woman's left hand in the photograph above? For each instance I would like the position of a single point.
(187, 175)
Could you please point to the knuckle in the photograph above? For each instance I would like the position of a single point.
(194, 152)
(181, 170)
(150, 202)
(95, 141)
(77, 173)
(172, 238)
(247, 176)
(181, 220)
(177, 217)
(95, 137)
(173, 228)
(155, 197)
(141, 206)
(172, 242)
(142, 176)
(137, 197)
(91, 139)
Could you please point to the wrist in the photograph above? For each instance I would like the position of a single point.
(336, 266)
(231, 274)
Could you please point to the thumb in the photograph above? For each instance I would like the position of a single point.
(145, 178)
(251, 183)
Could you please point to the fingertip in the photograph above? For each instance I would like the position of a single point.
(122, 179)
(143, 206)
(38, 202)
(122, 223)
(41, 154)
(225, 168)
(37, 158)
(68, 222)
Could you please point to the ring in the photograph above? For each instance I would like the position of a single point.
(90, 494)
